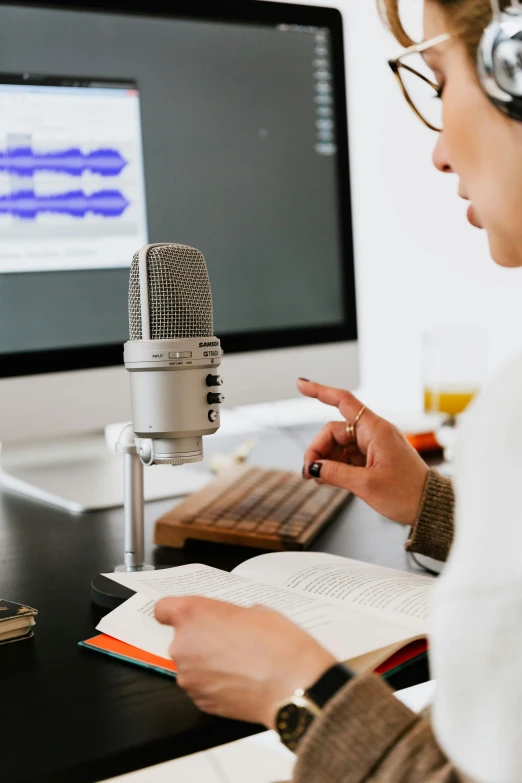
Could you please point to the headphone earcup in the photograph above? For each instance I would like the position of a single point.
(500, 62)
(507, 64)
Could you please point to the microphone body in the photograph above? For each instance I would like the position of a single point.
(172, 356)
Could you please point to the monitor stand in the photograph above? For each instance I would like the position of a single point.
(84, 473)
(81, 473)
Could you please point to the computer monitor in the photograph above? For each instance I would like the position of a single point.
(217, 125)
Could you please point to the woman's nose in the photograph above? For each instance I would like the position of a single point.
(441, 157)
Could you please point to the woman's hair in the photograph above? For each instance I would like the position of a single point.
(467, 20)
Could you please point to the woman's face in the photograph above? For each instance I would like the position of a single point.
(479, 144)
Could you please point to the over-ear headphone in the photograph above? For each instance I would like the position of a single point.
(500, 59)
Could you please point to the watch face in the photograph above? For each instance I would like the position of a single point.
(292, 723)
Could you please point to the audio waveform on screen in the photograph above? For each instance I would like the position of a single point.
(25, 162)
(27, 205)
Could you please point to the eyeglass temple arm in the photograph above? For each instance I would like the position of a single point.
(419, 48)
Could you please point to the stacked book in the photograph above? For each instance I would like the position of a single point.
(16, 621)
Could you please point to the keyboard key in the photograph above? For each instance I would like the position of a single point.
(247, 526)
(226, 523)
(268, 527)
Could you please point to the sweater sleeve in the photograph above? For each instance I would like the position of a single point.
(367, 736)
(433, 533)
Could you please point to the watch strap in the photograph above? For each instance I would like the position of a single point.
(335, 678)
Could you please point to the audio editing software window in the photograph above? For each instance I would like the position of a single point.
(230, 146)
(72, 191)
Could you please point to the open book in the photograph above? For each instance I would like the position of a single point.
(362, 613)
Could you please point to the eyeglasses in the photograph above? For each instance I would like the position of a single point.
(418, 83)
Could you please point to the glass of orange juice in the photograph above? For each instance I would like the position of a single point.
(455, 364)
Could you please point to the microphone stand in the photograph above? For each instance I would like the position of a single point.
(133, 503)
(104, 592)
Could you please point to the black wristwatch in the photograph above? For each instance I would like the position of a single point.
(294, 716)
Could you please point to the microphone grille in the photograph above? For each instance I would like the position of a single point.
(180, 298)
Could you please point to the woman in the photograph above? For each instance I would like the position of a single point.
(242, 663)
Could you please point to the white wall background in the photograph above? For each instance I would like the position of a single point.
(419, 263)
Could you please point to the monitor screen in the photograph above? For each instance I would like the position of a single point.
(227, 134)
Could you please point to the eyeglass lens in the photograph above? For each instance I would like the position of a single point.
(422, 95)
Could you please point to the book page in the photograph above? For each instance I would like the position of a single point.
(418, 697)
(258, 759)
(134, 623)
(395, 596)
(346, 632)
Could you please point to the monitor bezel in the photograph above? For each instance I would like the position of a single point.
(241, 11)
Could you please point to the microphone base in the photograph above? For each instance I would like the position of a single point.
(108, 594)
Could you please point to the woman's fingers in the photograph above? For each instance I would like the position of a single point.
(343, 400)
(338, 474)
(332, 443)
(354, 456)
(381, 468)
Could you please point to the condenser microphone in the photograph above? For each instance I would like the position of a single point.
(172, 355)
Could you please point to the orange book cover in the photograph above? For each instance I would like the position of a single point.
(125, 652)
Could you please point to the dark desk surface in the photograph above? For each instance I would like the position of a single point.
(67, 714)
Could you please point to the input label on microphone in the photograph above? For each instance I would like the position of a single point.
(210, 353)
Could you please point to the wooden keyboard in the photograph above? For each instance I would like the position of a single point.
(252, 506)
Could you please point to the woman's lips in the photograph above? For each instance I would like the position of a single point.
(472, 214)
(473, 217)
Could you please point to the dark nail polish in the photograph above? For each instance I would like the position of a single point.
(305, 380)
(315, 469)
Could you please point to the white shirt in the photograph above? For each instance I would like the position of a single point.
(477, 611)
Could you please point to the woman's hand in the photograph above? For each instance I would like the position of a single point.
(238, 662)
(382, 469)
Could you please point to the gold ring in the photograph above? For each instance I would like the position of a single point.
(350, 428)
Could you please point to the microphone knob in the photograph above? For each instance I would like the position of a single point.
(212, 416)
(215, 399)
(214, 380)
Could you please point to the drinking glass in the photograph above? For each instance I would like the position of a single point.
(455, 364)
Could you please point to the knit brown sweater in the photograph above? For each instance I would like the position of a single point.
(366, 735)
